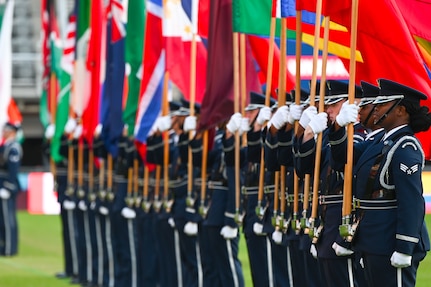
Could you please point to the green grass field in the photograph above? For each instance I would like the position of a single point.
(40, 256)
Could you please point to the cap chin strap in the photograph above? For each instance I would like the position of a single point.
(379, 120)
(369, 116)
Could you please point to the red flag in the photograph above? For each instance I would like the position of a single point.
(217, 104)
(329, 7)
(417, 14)
(260, 47)
(96, 54)
(388, 51)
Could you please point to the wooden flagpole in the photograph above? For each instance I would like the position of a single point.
(346, 228)
(237, 136)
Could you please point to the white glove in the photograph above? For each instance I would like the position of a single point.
(77, 132)
(229, 232)
(128, 213)
(70, 126)
(307, 115)
(313, 251)
(98, 130)
(264, 115)
(277, 236)
(295, 112)
(191, 228)
(4, 193)
(244, 126)
(82, 205)
(49, 132)
(340, 250)
(319, 123)
(103, 210)
(234, 123)
(69, 205)
(171, 222)
(189, 124)
(361, 262)
(401, 260)
(163, 123)
(258, 228)
(279, 119)
(348, 114)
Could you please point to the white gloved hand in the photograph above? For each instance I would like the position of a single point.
(128, 213)
(244, 126)
(171, 222)
(103, 210)
(98, 130)
(258, 228)
(313, 251)
(234, 123)
(348, 114)
(70, 125)
(229, 232)
(191, 228)
(49, 132)
(340, 250)
(400, 260)
(295, 112)
(69, 205)
(77, 132)
(264, 115)
(307, 115)
(189, 124)
(279, 118)
(163, 123)
(4, 193)
(361, 262)
(319, 123)
(277, 236)
(82, 205)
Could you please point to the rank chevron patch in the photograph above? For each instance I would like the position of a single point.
(409, 170)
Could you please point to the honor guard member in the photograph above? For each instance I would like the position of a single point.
(258, 227)
(366, 109)
(167, 244)
(333, 252)
(123, 217)
(67, 229)
(392, 237)
(10, 161)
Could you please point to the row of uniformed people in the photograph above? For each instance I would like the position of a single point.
(191, 248)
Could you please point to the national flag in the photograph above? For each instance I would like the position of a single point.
(112, 94)
(134, 45)
(178, 31)
(217, 104)
(328, 7)
(96, 67)
(67, 51)
(388, 50)
(45, 32)
(13, 113)
(81, 76)
(116, 10)
(6, 61)
(153, 69)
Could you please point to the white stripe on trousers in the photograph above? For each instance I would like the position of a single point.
(72, 241)
(132, 252)
(110, 251)
(232, 263)
(7, 228)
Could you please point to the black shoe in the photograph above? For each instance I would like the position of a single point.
(75, 280)
(61, 275)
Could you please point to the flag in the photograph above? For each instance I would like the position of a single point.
(388, 51)
(6, 62)
(81, 76)
(153, 69)
(96, 67)
(328, 7)
(118, 31)
(134, 45)
(178, 30)
(112, 93)
(65, 70)
(45, 32)
(217, 104)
